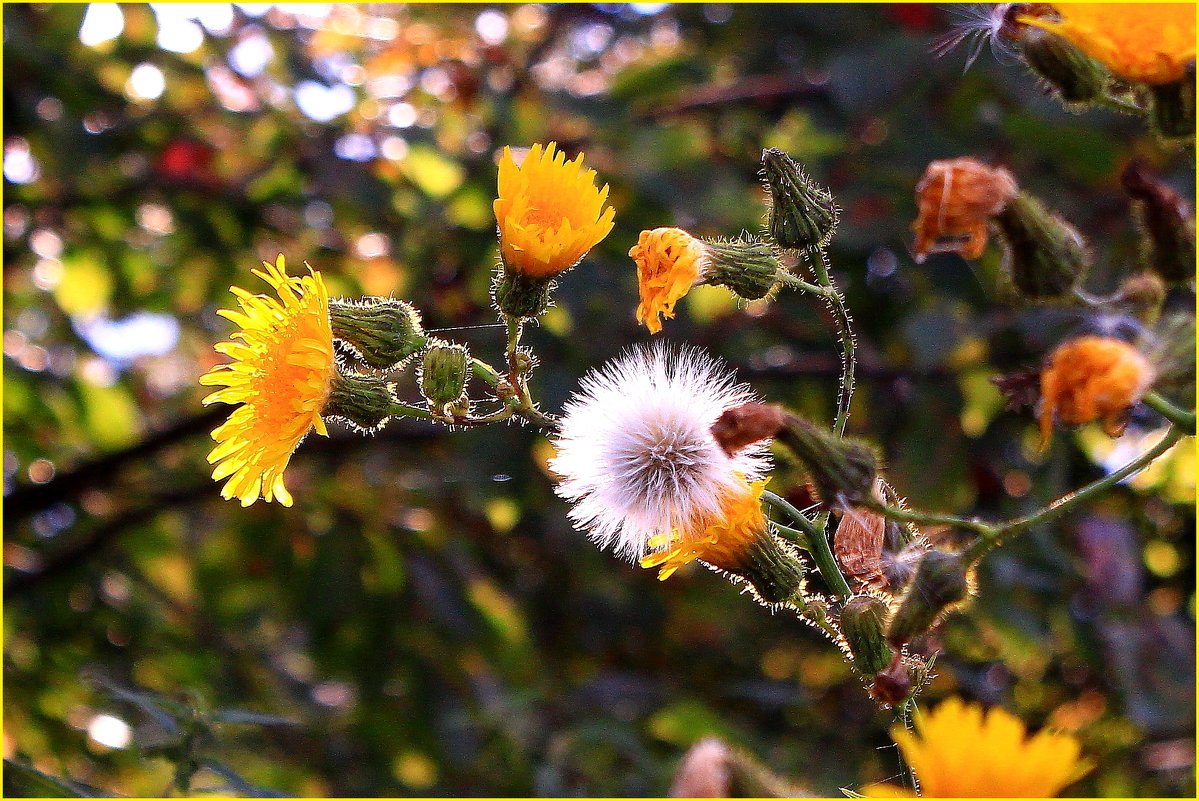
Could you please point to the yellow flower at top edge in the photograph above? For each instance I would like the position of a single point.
(669, 262)
(549, 210)
(1092, 378)
(960, 751)
(1141, 42)
(722, 543)
(281, 375)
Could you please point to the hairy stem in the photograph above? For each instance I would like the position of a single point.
(836, 303)
(821, 553)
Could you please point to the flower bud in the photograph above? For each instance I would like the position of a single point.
(748, 267)
(746, 424)
(383, 332)
(1045, 257)
(862, 624)
(1172, 110)
(1167, 226)
(1072, 74)
(803, 215)
(521, 295)
(1142, 295)
(841, 469)
(940, 582)
(362, 400)
(444, 370)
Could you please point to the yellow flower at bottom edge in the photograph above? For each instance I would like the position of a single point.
(960, 751)
(722, 542)
(549, 211)
(281, 375)
(1141, 42)
(669, 262)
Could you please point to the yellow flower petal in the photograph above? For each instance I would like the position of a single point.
(669, 262)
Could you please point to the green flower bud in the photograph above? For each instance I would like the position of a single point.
(382, 332)
(1167, 226)
(1173, 107)
(843, 470)
(748, 267)
(862, 624)
(774, 573)
(520, 295)
(803, 215)
(444, 370)
(939, 583)
(1073, 75)
(362, 400)
(1045, 257)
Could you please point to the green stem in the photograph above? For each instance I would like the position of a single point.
(822, 554)
(794, 536)
(927, 518)
(1180, 417)
(795, 282)
(404, 410)
(836, 303)
(988, 542)
(484, 372)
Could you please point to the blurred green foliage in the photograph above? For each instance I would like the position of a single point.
(424, 621)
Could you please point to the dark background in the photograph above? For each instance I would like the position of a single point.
(424, 621)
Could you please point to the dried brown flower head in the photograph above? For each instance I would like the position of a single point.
(956, 199)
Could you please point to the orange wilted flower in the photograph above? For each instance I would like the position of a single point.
(1142, 42)
(956, 199)
(1092, 378)
(669, 262)
(550, 212)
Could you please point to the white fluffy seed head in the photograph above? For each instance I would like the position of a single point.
(635, 448)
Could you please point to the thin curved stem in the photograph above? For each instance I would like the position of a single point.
(836, 303)
(795, 282)
(1180, 417)
(821, 553)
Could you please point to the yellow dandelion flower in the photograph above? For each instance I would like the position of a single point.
(1141, 42)
(669, 262)
(549, 211)
(723, 543)
(1092, 378)
(281, 375)
(960, 751)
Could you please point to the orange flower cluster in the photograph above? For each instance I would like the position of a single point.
(1092, 378)
(956, 199)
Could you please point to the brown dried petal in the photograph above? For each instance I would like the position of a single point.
(956, 199)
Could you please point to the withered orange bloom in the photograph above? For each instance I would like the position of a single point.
(1092, 378)
(669, 262)
(724, 543)
(1141, 42)
(550, 212)
(956, 199)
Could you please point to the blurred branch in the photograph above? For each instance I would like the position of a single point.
(751, 89)
(29, 498)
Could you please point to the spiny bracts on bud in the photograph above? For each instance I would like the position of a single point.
(444, 369)
(362, 400)
(941, 581)
(842, 470)
(1044, 256)
(383, 333)
(863, 620)
(748, 267)
(802, 215)
(1167, 225)
(519, 295)
(1075, 76)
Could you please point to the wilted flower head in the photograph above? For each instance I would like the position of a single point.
(281, 375)
(725, 543)
(1141, 42)
(1093, 378)
(636, 453)
(956, 199)
(961, 751)
(669, 262)
(549, 210)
